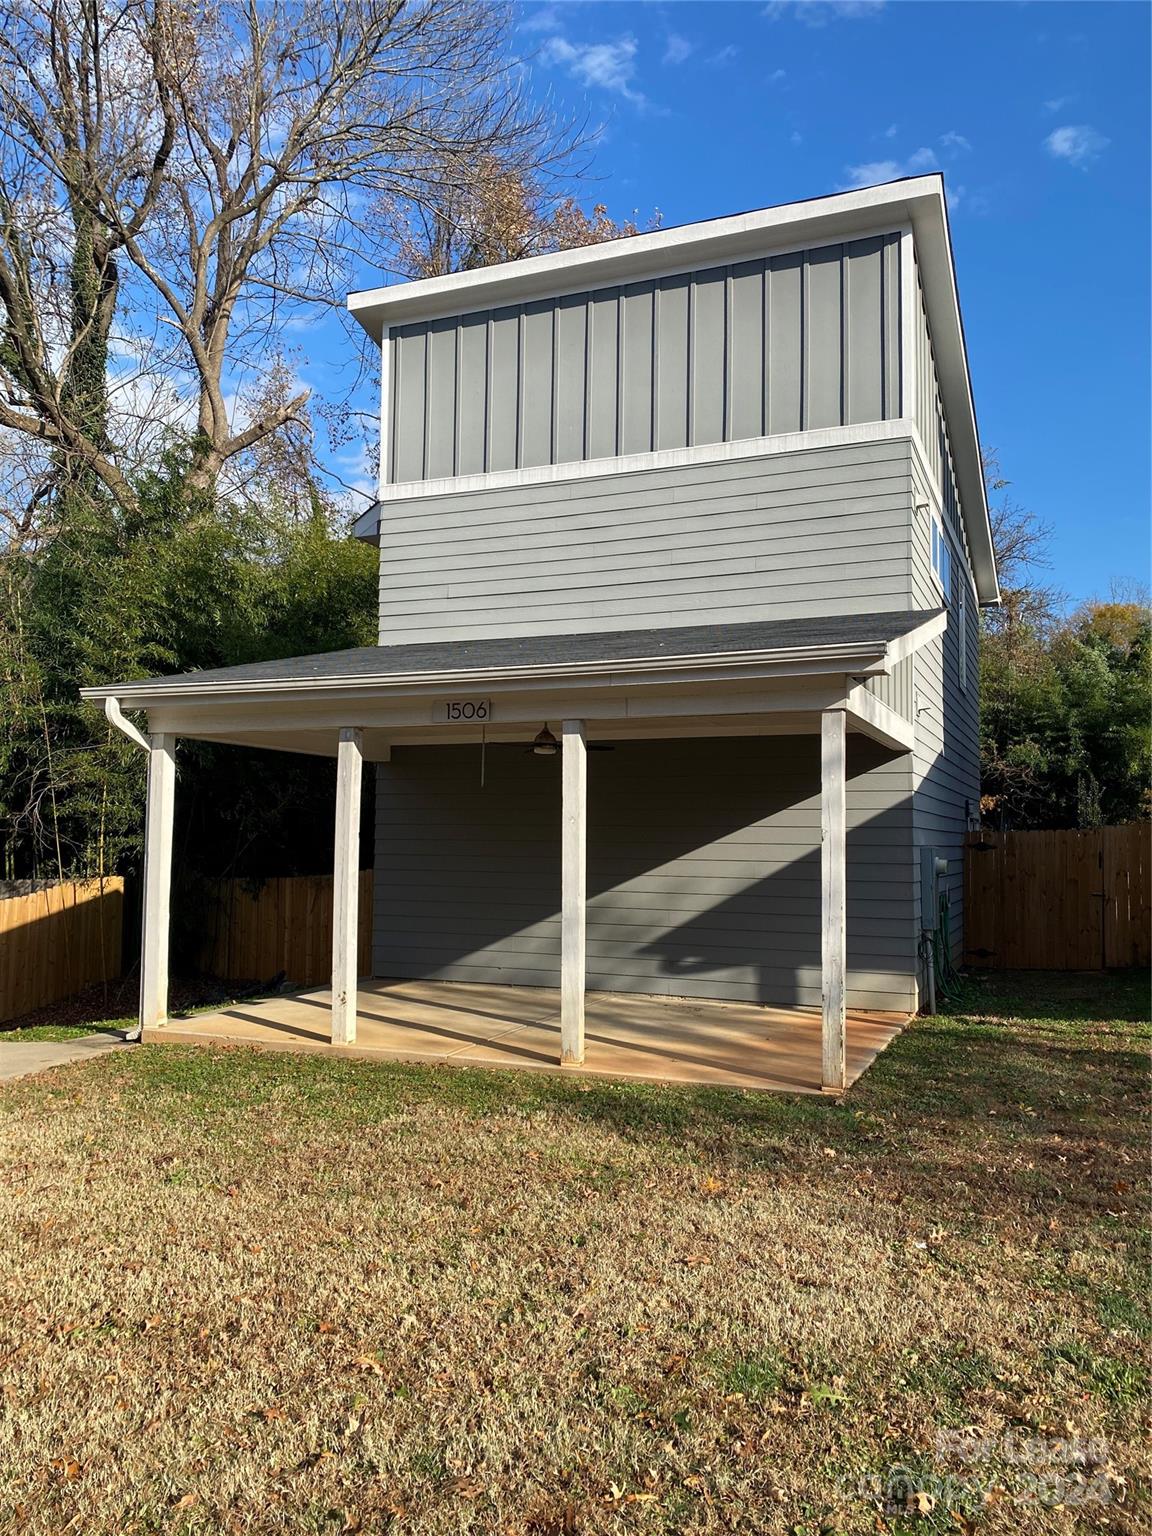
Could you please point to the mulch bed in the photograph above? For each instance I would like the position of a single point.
(116, 1000)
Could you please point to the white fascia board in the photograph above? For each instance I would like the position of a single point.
(843, 215)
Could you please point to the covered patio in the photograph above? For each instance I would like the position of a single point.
(825, 678)
(626, 1035)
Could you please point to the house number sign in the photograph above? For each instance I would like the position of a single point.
(467, 709)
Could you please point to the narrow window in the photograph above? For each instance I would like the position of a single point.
(942, 559)
(962, 636)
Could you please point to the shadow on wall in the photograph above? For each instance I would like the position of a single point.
(703, 869)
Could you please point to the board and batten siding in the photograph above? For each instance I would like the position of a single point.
(703, 869)
(780, 536)
(781, 344)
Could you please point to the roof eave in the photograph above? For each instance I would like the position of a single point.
(838, 214)
(857, 658)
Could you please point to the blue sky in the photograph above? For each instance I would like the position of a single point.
(1037, 114)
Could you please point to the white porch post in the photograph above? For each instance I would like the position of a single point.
(346, 885)
(574, 891)
(157, 879)
(833, 818)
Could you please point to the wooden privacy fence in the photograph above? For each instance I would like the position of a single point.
(284, 925)
(58, 939)
(1066, 901)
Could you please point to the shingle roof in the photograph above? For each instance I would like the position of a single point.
(540, 652)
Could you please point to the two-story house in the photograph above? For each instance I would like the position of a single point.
(682, 540)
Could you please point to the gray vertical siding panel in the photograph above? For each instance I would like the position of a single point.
(536, 391)
(504, 389)
(864, 331)
(890, 305)
(636, 368)
(709, 356)
(442, 397)
(672, 362)
(785, 343)
(822, 313)
(803, 340)
(746, 377)
(471, 410)
(603, 374)
(411, 344)
(703, 869)
(571, 363)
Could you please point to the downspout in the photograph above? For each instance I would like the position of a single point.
(115, 716)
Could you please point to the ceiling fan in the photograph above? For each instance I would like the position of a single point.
(544, 744)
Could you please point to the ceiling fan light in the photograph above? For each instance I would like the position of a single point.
(545, 744)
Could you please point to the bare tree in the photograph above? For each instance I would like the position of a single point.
(1021, 540)
(201, 173)
(501, 211)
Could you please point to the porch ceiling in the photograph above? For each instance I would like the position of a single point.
(658, 1039)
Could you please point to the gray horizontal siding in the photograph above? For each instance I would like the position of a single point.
(785, 536)
(946, 756)
(782, 344)
(703, 869)
(897, 688)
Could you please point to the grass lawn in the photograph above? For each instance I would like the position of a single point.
(250, 1292)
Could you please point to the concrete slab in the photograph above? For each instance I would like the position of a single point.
(22, 1058)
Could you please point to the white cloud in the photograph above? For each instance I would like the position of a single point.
(723, 55)
(954, 141)
(1077, 143)
(677, 49)
(1054, 103)
(818, 13)
(796, 137)
(891, 131)
(544, 19)
(873, 171)
(607, 66)
(776, 76)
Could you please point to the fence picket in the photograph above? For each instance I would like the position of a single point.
(58, 940)
(1064, 900)
(286, 926)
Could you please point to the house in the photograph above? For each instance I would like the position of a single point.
(709, 499)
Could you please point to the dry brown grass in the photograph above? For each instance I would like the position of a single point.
(261, 1293)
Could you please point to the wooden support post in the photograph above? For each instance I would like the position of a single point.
(346, 885)
(833, 825)
(574, 891)
(157, 879)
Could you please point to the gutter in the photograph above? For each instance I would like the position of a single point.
(861, 658)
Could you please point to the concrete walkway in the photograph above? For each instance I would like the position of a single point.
(21, 1058)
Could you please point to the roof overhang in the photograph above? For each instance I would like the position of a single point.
(857, 658)
(917, 201)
